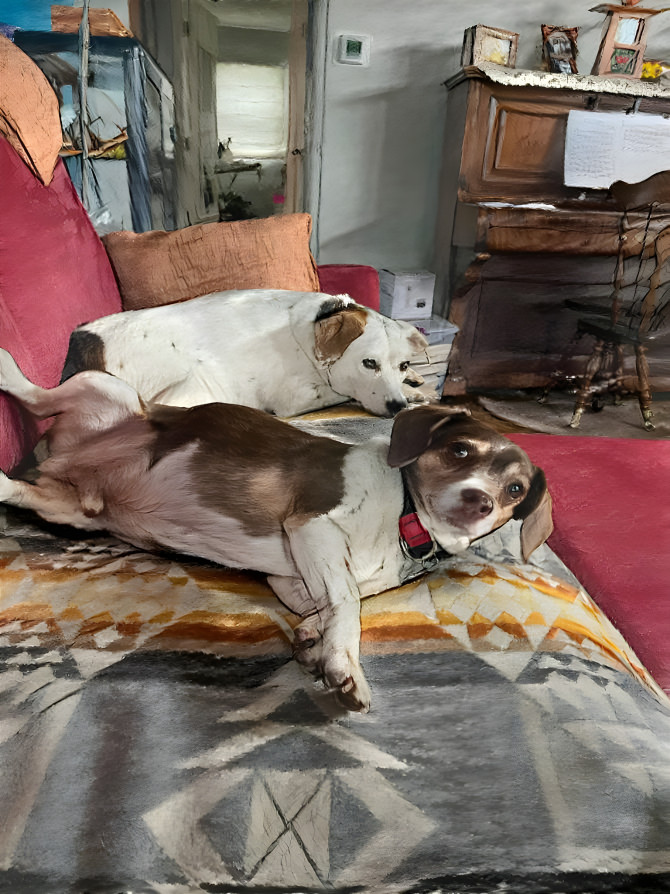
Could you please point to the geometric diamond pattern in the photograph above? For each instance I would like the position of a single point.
(101, 597)
(511, 726)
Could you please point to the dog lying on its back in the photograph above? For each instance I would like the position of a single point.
(239, 487)
(283, 352)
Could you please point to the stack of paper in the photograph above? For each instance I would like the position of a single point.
(431, 366)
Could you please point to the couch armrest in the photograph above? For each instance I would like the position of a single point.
(357, 280)
(55, 275)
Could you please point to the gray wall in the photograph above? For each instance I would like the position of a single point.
(377, 132)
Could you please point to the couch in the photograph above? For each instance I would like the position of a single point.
(155, 734)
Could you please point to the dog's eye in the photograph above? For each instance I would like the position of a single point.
(515, 489)
(368, 363)
(460, 450)
(404, 366)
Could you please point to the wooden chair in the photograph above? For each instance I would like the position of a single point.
(632, 323)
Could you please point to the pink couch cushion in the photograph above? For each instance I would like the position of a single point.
(357, 280)
(54, 275)
(612, 529)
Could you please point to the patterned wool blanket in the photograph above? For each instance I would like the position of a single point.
(156, 736)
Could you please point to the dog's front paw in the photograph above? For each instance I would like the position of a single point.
(348, 681)
(340, 671)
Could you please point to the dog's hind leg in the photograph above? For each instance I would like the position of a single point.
(13, 381)
(53, 500)
(89, 402)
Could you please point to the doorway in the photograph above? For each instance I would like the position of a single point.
(238, 68)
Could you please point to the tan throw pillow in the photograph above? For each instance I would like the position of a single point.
(29, 116)
(162, 267)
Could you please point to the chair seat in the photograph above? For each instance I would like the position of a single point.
(616, 333)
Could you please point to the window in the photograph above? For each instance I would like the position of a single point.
(252, 109)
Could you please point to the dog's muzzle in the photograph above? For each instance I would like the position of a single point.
(395, 406)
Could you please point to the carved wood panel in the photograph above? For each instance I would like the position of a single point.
(514, 139)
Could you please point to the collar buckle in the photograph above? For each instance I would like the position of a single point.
(415, 541)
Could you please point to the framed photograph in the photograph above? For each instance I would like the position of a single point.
(559, 48)
(621, 51)
(484, 44)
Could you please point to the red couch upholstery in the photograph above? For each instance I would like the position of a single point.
(612, 529)
(357, 280)
(54, 275)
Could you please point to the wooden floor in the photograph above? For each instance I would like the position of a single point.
(500, 425)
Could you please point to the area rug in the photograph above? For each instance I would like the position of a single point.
(554, 414)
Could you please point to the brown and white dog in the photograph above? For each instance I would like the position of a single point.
(240, 487)
(283, 352)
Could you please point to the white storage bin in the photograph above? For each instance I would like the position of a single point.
(437, 330)
(406, 295)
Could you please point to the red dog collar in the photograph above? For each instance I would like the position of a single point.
(413, 533)
(415, 540)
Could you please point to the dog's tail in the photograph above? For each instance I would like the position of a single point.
(85, 351)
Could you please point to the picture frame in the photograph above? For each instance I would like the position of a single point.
(623, 42)
(482, 43)
(559, 48)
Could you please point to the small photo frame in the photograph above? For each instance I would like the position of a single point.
(484, 44)
(624, 40)
(559, 48)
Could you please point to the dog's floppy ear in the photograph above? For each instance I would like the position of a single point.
(334, 333)
(417, 340)
(535, 510)
(414, 431)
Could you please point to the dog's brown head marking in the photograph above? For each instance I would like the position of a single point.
(336, 326)
(86, 350)
(413, 434)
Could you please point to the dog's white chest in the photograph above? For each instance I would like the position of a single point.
(369, 512)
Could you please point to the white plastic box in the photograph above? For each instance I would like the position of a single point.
(431, 363)
(437, 330)
(406, 295)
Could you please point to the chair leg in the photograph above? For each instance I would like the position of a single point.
(618, 375)
(644, 391)
(584, 393)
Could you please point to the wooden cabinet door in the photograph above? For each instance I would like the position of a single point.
(514, 143)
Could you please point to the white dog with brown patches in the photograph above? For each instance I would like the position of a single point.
(328, 522)
(283, 352)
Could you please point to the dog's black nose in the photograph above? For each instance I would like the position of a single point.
(395, 406)
(477, 504)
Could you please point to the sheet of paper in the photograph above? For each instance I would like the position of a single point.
(601, 147)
